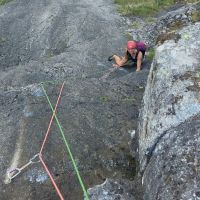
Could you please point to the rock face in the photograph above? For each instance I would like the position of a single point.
(169, 130)
(149, 29)
(112, 190)
(56, 41)
(51, 42)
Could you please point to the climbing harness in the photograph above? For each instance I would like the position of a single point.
(12, 173)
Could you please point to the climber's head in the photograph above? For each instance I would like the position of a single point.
(131, 45)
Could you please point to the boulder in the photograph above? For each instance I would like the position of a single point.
(169, 130)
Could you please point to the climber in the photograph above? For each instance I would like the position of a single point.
(134, 54)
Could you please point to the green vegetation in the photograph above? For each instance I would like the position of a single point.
(167, 36)
(2, 2)
(136, 25)
(176, 25)
(2, 40)
(192, 1)
(150, 20)
(105, 98)
(196, 16)
(151, 54)
(146, 7)
(128, 35)
(49, 53)
(142, 7)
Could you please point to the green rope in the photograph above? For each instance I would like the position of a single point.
(67, 146)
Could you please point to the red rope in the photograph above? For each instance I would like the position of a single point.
(51, 177)
(52, 117)
(44, 141)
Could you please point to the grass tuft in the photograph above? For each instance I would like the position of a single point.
(2, 2)
(146, 8)
(151, 54)
(196, 16)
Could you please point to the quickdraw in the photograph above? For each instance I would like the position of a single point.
(15, 172)
(12, 173)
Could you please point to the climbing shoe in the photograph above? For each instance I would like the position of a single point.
(110, 58)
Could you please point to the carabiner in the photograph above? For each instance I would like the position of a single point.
(13, 173)
(34, 157)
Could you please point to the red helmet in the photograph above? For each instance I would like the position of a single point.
(131, 45)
